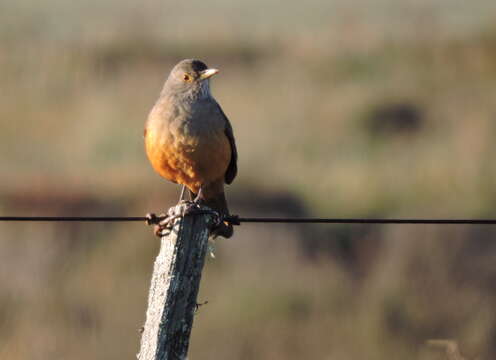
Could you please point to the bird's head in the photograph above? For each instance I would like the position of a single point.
(190, 77)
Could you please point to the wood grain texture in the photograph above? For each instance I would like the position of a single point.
(174, 289)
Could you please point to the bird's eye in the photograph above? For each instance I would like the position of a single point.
(186, 77)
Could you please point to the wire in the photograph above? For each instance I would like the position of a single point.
(74, 218)
(236, 220)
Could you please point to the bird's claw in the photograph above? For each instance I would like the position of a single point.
(189, 207)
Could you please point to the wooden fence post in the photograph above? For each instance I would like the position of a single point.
(172, 300)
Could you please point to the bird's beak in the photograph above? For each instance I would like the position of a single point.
(205, 74)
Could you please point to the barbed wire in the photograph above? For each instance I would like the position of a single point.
(237, 220)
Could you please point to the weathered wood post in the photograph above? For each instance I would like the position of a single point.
(172, 299)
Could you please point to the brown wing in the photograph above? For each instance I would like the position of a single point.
(232, 169)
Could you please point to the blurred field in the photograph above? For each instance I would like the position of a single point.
(365, 108)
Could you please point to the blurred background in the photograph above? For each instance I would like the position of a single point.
(371, 108)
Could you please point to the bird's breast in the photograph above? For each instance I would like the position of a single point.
(187, 148)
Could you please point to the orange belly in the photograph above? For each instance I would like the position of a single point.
(192, 161)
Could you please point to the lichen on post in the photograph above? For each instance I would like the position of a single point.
(175, 283)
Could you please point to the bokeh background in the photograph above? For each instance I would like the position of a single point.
(371, 108)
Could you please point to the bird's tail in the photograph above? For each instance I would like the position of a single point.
(218, 203)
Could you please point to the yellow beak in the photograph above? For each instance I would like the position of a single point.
(205, 74)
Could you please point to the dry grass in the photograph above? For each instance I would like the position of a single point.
(309, 92)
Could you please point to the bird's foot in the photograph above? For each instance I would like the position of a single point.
(189, 207)
(199, 197)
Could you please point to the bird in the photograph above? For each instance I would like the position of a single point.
(190, 141)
